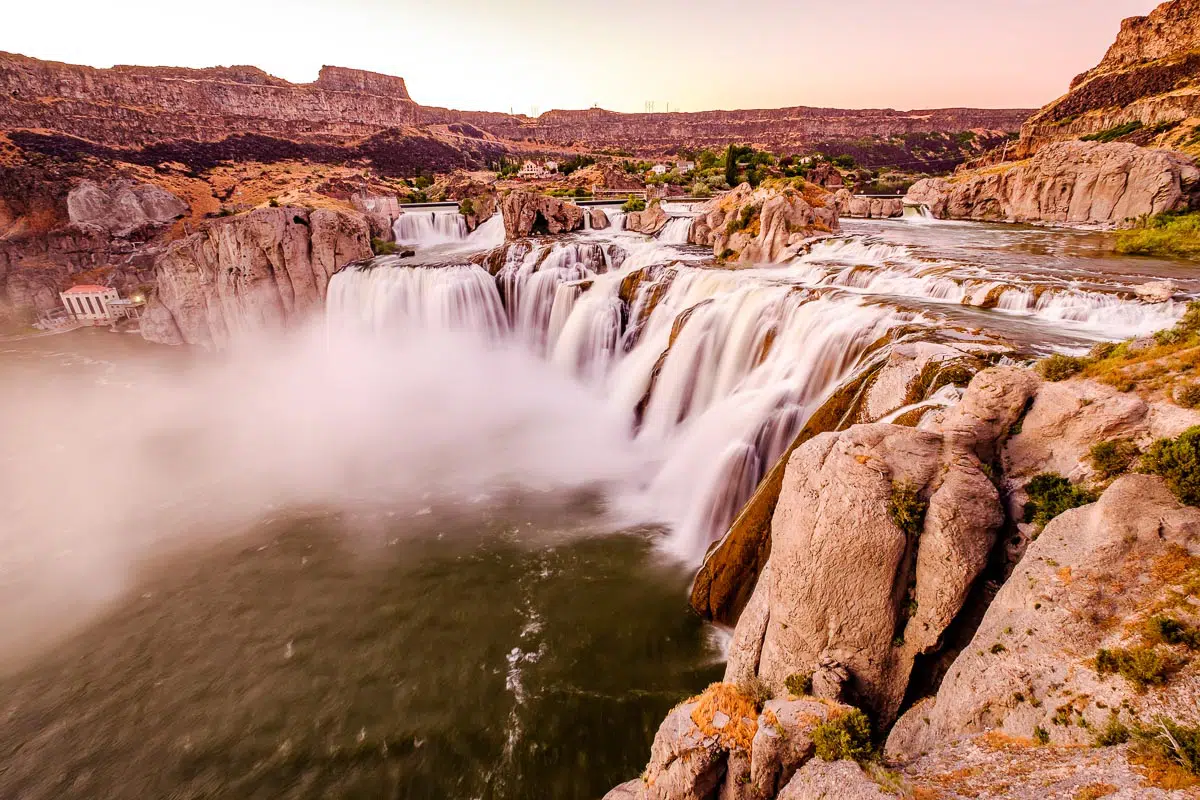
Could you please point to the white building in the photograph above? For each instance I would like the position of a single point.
(684, 167)
(659, 169)
(551, 166)
(532, 170)
(89, 303)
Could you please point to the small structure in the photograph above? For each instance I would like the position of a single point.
(659, 169)
(89, 303)
(531, 169)
(684, 167)
(551, 166)
(126, 309)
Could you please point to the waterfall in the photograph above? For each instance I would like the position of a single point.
(425, 228)
(714, 371)
(676, 231)
(919, 214)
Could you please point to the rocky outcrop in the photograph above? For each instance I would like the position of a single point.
(1146, 79)
(823, 780)
(530, 213)
(123, 207)
(261, 270)
(1155, 291)
(597, 218)
(649, 222)
(764, 225)
(1069, 183)
(381, 212)
(845, 576)
(719, 745)
(849, 205)
(1082, 585)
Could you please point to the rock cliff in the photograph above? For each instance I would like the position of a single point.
(1070, 183)
(261, 270)
(764, 225)
(528, 213)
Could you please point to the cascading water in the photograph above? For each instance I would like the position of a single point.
(676, 231)
(424, 228)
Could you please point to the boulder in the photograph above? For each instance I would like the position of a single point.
(685, 763)
(260, 270)
(1083, 584)
(1071, 182)
(1155, 291)
(839, 780)
(764, 225)
(530, 213)
(844, 575)
(649, 222)
(599, 219)
(784, 742)
(122, 207)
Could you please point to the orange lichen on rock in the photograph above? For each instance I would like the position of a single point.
(724, 712)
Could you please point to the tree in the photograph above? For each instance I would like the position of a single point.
(731, 167)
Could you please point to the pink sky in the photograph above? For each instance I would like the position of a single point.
(619, 54)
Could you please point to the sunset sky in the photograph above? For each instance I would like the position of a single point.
(530, 55)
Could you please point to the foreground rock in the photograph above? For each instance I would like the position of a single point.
(530, 213)
(764, 225)
(649, 222)
(1068, 183)
(254, 271)
(1085, 583)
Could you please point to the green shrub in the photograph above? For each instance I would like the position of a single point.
(1114, 732)
(466, 207)
(273, 202)
(907, 509)
(1143, 666)
(756, 690)
(844, 161)
(1188, 395)
(701, 189)
(1170, 234)
(381, 247)
(1114, 133)
(799, 683)
(634, 204)
(1113, 458)
(1041, 735)
(1059, 367)
(1050, 494)
(1177, 743)
(1171, 631)
(1177, 461)
(847, 737)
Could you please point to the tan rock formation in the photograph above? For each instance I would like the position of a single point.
(764, 225)
(259, 270)
(529, 213)
(599, 219)
(823, 780)
(649, 222)
(1082, 585)
(123, 207)
(854, 207)
(1070, 183)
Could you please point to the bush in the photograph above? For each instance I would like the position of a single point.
(846, 737)
(1041, 735)
(1172, 631)
(1143, 666)
(380, 247)
(1113, 133)
(633, 204)
(1113, 458)
(1114, 732)
(757, 691)
(1050, 494)
(1059, 367)
(1177, 461)
(1171, 234)
(1177, 743)
(466, 207)
(1188, 395)
(845, 161)
(273, 202)
(799, 683)
(907, 509)
(701, 189)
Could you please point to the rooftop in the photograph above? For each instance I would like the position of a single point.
(87, 287)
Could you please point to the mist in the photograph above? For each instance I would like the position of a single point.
(98, 475)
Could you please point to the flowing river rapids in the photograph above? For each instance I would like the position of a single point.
(440, 548)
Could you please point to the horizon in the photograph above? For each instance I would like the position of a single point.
(529, 80)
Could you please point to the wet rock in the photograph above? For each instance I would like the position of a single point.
(1082, 585)
(527, 213)
(1155, 291)
(649, 222)
(599, 218)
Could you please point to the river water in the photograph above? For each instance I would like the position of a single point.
(440, 547)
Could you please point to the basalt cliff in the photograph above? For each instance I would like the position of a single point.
(1119, 146)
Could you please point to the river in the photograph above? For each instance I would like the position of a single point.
(440, 546)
